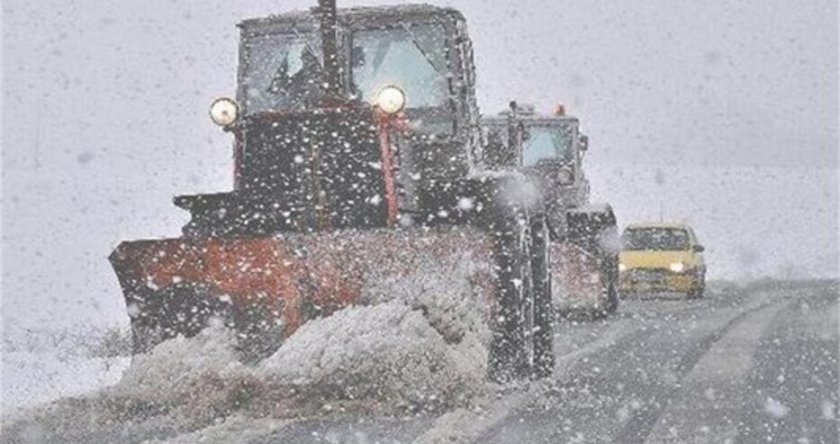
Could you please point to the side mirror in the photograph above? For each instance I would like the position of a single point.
(584, 142)
(699, 249)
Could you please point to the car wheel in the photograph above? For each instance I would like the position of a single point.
(699, 288)
(700, 291)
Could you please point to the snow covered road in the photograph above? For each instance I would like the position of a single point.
(747, 364)
(756, 365)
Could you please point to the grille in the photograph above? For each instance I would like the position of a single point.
(651, 275)
(324, 166)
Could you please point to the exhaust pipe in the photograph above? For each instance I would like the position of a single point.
(329, 45)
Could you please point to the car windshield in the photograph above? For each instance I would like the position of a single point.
(411, 57)
(281, 71)
(659, 239)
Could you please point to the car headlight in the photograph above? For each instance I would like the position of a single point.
(390, 99)
(677, 267)
(622, 267)
(224, 111)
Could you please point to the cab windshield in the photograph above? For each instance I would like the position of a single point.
(409, 56)
(281, 71)
(655, 238)
(547, 142)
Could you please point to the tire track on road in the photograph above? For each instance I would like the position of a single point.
(465, 426)
(617, 394)
(709, 401)
(638, 429)
(792, 394)
(535, 419)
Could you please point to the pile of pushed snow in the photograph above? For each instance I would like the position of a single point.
(385, 358)
(387, 352)
(419, 348)
(421, 339)
(172, 367)
(445, 292)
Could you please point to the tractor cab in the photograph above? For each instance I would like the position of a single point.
(414, 58)
(549, 147)
(348, 118)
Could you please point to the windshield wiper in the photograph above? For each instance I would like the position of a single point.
(306, 46)
(420, 48)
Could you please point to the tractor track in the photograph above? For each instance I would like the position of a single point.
(637, 431)
(619, 391)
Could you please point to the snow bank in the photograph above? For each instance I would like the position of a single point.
(182, 385)
(36, 378)
(387, 352)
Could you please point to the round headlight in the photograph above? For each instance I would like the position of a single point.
(224, 111)
(390, 99)
(677, 267)
(622, 267)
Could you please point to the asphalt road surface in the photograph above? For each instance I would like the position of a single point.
(742, 365)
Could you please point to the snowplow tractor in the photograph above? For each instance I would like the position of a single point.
(355, 181)
(549, 149)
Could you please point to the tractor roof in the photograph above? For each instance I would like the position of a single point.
(527, 112)
(355, 17)
(666, 224)
(528, 117)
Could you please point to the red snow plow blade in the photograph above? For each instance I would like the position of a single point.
(265, 288)
(585, 263)
(578, 279)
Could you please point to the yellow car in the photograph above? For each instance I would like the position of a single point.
(661, 257)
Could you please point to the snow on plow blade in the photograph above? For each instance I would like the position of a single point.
(265, 288)
(585, 263)
(577, 278)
